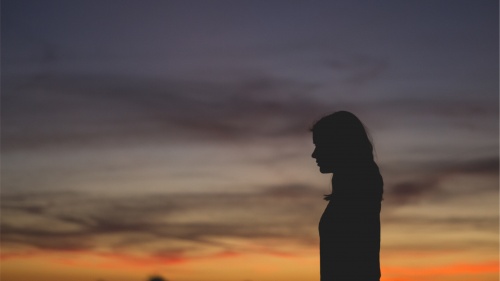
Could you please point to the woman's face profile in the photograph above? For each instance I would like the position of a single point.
(324, 153)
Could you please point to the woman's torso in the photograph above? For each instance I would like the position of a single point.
(349, 232)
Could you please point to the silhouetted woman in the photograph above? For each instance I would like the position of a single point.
(349, 228)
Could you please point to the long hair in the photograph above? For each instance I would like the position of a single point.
(346, 135)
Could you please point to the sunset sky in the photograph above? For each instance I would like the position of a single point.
(172, 137)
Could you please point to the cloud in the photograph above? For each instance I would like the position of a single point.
(483, 223)
(65, 109)
(433, 174)
(182, 224)
(404, 192)
(479, 166)
(176, 221)
(53, 109)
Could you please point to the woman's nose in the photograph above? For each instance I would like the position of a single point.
(313, 155)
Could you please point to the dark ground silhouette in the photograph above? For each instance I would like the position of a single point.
(151, 278)
(156, 278)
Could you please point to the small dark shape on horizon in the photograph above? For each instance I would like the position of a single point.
(157, 278)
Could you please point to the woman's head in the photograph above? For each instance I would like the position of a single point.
(341, 143)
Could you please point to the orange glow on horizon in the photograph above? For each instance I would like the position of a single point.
(221, 266)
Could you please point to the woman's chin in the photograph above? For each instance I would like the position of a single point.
(325, 170)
